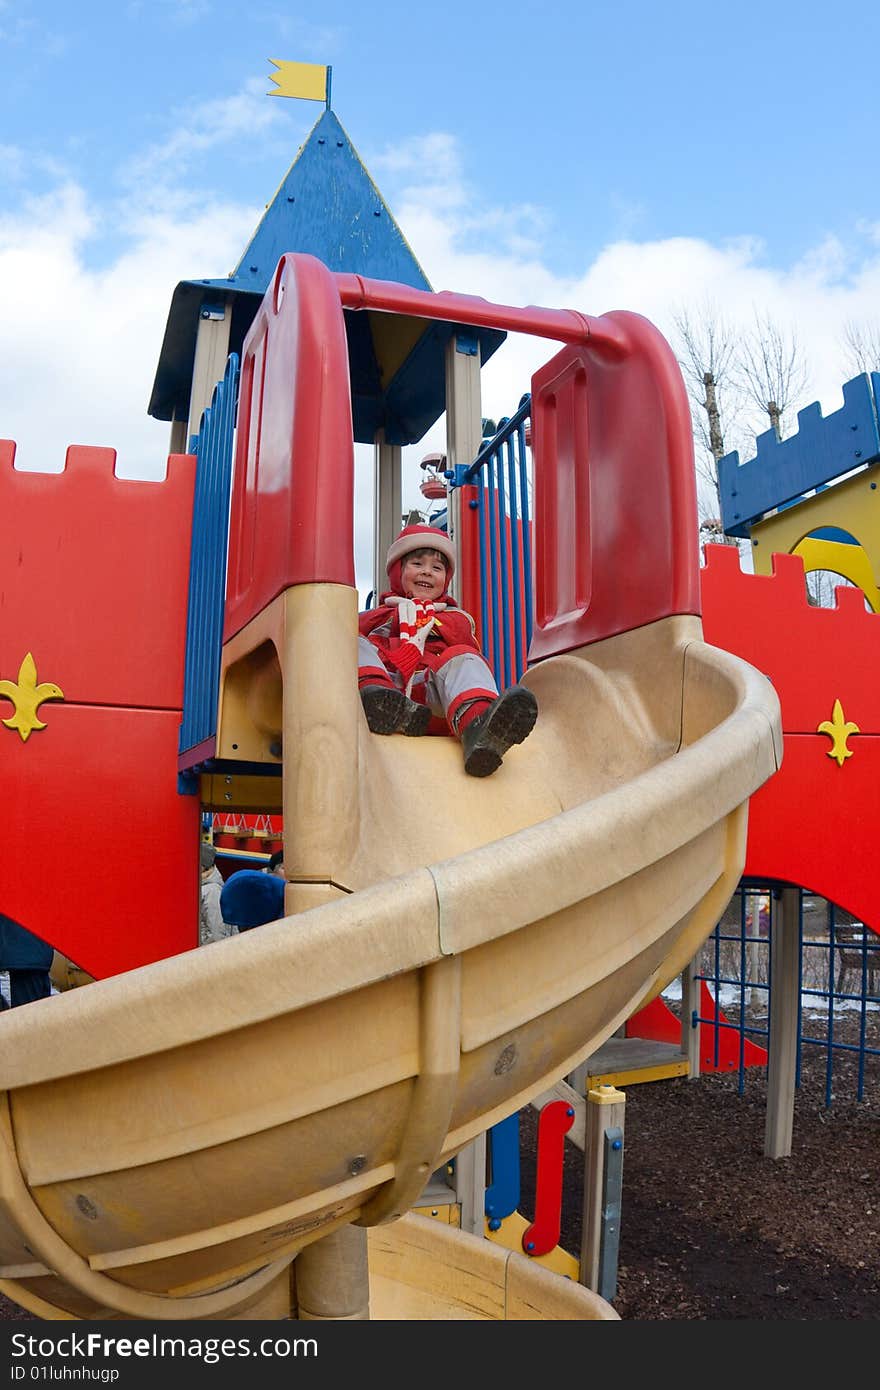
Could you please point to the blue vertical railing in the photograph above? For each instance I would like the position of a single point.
(207, 569)
(500, 473)
(740, 958)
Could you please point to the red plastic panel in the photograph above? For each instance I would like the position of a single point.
(814, 823)
(100, 854)
(94, 572)
(813, 656)
(657, 1021)
(555, 1119)
(293, 485)
(468, 567)
(616, 542)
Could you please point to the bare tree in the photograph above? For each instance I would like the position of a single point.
(822, 586)
(707, 356)
(861, 347)
(772, 370)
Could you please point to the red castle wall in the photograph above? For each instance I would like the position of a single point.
(99, 855)
(814, 823)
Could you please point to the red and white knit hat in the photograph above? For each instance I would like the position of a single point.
(418, 538)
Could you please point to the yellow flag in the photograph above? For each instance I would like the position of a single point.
(308, 80)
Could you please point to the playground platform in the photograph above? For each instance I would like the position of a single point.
(628, 1061)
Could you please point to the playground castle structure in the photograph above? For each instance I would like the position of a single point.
(225, 1149)
(815, 826)
(805, 503)
(809, 503)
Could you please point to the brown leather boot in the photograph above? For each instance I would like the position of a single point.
(508, 720)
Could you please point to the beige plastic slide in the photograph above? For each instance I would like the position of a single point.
(173, 1138)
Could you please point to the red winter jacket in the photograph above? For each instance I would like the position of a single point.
(451, 635)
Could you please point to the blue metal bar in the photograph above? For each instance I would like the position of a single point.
(829, 1056)
(842, 1047)
(800, 995)
(515, 567)
(797, 1054)
(504, 580)
(743, 970)
(220, 483)
(482, 500)
(863, 1019)
(487, 470)
(525, 523)
(501, 1197)
(207, 581)
(196, 584)
(205, 450)
(828, 952)
(493, 555)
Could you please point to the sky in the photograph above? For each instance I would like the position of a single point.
(659, 158)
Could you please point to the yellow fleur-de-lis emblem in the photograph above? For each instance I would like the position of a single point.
(27, 696)
(838, 730)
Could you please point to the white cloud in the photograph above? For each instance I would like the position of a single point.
(85, 342)
(436, 156)
(198, 128)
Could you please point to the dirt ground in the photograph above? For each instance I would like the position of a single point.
(711, 1229)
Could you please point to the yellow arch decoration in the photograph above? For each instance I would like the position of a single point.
(852, 505)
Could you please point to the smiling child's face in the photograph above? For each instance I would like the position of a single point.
(423, 575)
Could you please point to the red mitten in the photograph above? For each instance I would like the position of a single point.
(405, 658)
(416, 619)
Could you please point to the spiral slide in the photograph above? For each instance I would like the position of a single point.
(240, 1131)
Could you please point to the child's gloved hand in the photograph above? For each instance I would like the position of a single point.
(416, 619)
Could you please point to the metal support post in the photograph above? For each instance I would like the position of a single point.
(603, 1188)
(785, 923)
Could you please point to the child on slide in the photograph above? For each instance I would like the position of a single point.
(418, 656)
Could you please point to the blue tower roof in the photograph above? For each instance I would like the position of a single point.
(328, 206)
